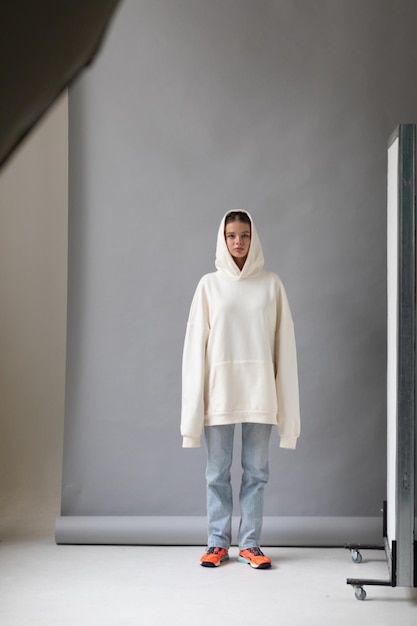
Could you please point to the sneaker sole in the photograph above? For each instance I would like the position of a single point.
(242, 559)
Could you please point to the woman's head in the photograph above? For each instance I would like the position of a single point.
(237, 234)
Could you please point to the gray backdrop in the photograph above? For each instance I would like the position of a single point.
(282, 107)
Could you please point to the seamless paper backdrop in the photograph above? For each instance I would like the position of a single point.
(193, 108)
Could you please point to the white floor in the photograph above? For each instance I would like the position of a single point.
(42, 584)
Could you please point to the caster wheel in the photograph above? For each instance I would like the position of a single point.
(356, 556)
(360, 593)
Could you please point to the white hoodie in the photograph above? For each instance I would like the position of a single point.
(239, 360)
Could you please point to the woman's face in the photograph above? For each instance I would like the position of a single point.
(238, 236)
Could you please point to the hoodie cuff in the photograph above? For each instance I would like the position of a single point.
(288, 442)
(191, 442)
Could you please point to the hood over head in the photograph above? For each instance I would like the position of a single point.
(224, 260)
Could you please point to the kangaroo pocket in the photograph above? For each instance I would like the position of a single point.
(236, 386)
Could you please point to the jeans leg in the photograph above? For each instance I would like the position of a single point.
(219, 444)
(255, 444)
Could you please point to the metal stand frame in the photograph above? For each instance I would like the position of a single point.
(391, 557)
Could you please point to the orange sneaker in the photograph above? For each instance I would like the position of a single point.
(255, 558)
(214, 557)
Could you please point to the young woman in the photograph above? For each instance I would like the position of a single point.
(239, 367)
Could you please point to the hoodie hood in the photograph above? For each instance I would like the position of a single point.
(224, 260)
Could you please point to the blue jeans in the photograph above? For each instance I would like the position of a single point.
(219, 444)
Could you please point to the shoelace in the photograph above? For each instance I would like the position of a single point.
(256, 551)
(213, 550)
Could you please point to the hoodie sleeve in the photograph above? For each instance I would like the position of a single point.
(193, 371)
(288, 417)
